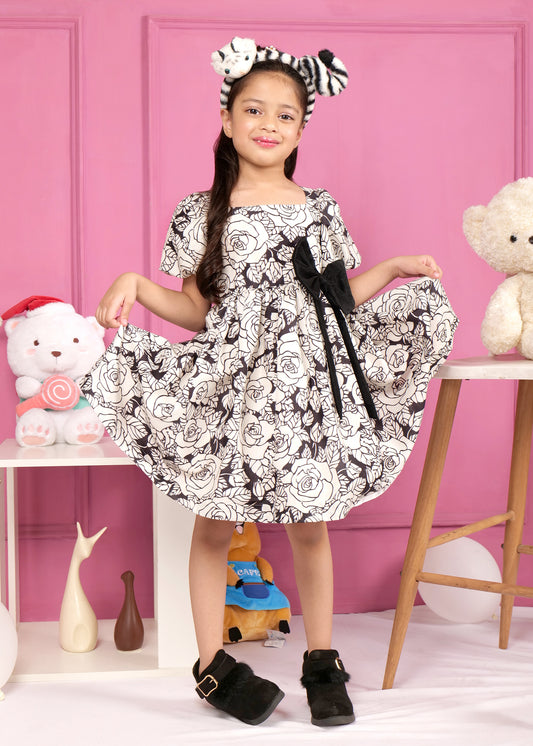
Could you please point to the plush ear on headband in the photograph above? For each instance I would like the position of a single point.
(326, 72)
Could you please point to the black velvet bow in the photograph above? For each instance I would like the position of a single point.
(333, 283)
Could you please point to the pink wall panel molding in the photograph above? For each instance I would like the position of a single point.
(110, 109)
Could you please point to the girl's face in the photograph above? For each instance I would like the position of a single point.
(265, 121)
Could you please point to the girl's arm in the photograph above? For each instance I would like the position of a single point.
(368, 283)
(186, 307)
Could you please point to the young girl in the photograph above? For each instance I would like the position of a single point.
(266, 415)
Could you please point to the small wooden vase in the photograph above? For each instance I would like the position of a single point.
(129, 629)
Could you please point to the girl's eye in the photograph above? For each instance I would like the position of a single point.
(251, 110)
(286, 117)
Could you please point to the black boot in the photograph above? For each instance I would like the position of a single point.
(324, 678)
(233, 688)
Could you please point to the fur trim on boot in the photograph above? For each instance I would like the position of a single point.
(233, 688)
(324, 679)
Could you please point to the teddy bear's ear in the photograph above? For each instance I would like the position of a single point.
(473, 218)
(94, 323)
(10, 325)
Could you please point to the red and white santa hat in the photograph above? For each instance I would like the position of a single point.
(34, 302)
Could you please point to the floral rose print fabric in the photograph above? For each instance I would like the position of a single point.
(239, 423)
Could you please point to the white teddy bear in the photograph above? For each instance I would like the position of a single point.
(49, 349)
(502, 234)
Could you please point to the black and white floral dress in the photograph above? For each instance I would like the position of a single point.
(240, 422)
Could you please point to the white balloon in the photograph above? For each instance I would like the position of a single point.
(467, 559)
(8, 646)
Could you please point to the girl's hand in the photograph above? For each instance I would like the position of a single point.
(367, 284)
(421, 265)
(115, 306)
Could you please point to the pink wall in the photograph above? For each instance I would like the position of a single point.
(109, 110)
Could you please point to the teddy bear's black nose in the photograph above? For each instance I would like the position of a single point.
(530, 239)
(56, 353)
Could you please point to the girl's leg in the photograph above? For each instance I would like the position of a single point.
(207, 581)
(313, 569)
(227, 685)
(324, 677)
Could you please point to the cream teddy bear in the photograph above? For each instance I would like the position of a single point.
(49, 348)
(502, 234)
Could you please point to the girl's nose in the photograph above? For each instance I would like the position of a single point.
(269, 123)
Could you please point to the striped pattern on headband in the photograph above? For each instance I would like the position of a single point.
(324, 74)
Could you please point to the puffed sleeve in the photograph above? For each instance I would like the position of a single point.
(186, 238)
(334, 232)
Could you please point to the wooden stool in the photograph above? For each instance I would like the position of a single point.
(452, 373)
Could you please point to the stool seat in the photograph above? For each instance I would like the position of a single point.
(512, 366)
(451, 375)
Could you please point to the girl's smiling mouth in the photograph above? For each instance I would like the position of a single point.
(266, 142)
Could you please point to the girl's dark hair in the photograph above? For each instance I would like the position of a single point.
(225, 178)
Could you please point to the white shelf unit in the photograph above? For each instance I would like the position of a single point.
(169, 638)
(40, 657)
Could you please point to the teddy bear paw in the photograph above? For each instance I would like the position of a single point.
(35, 435)
(525, 346)
(88, 432)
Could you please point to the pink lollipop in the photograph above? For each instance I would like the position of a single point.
(57, 392)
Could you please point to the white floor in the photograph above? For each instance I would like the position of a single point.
(454, 686)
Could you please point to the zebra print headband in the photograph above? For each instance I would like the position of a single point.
(324, 74)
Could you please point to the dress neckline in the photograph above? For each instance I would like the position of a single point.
(274, 204)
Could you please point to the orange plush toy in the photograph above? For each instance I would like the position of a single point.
(253, 603)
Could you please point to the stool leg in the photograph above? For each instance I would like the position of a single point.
(516, 500)
(422, 520)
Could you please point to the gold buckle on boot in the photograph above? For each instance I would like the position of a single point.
(210, 682)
